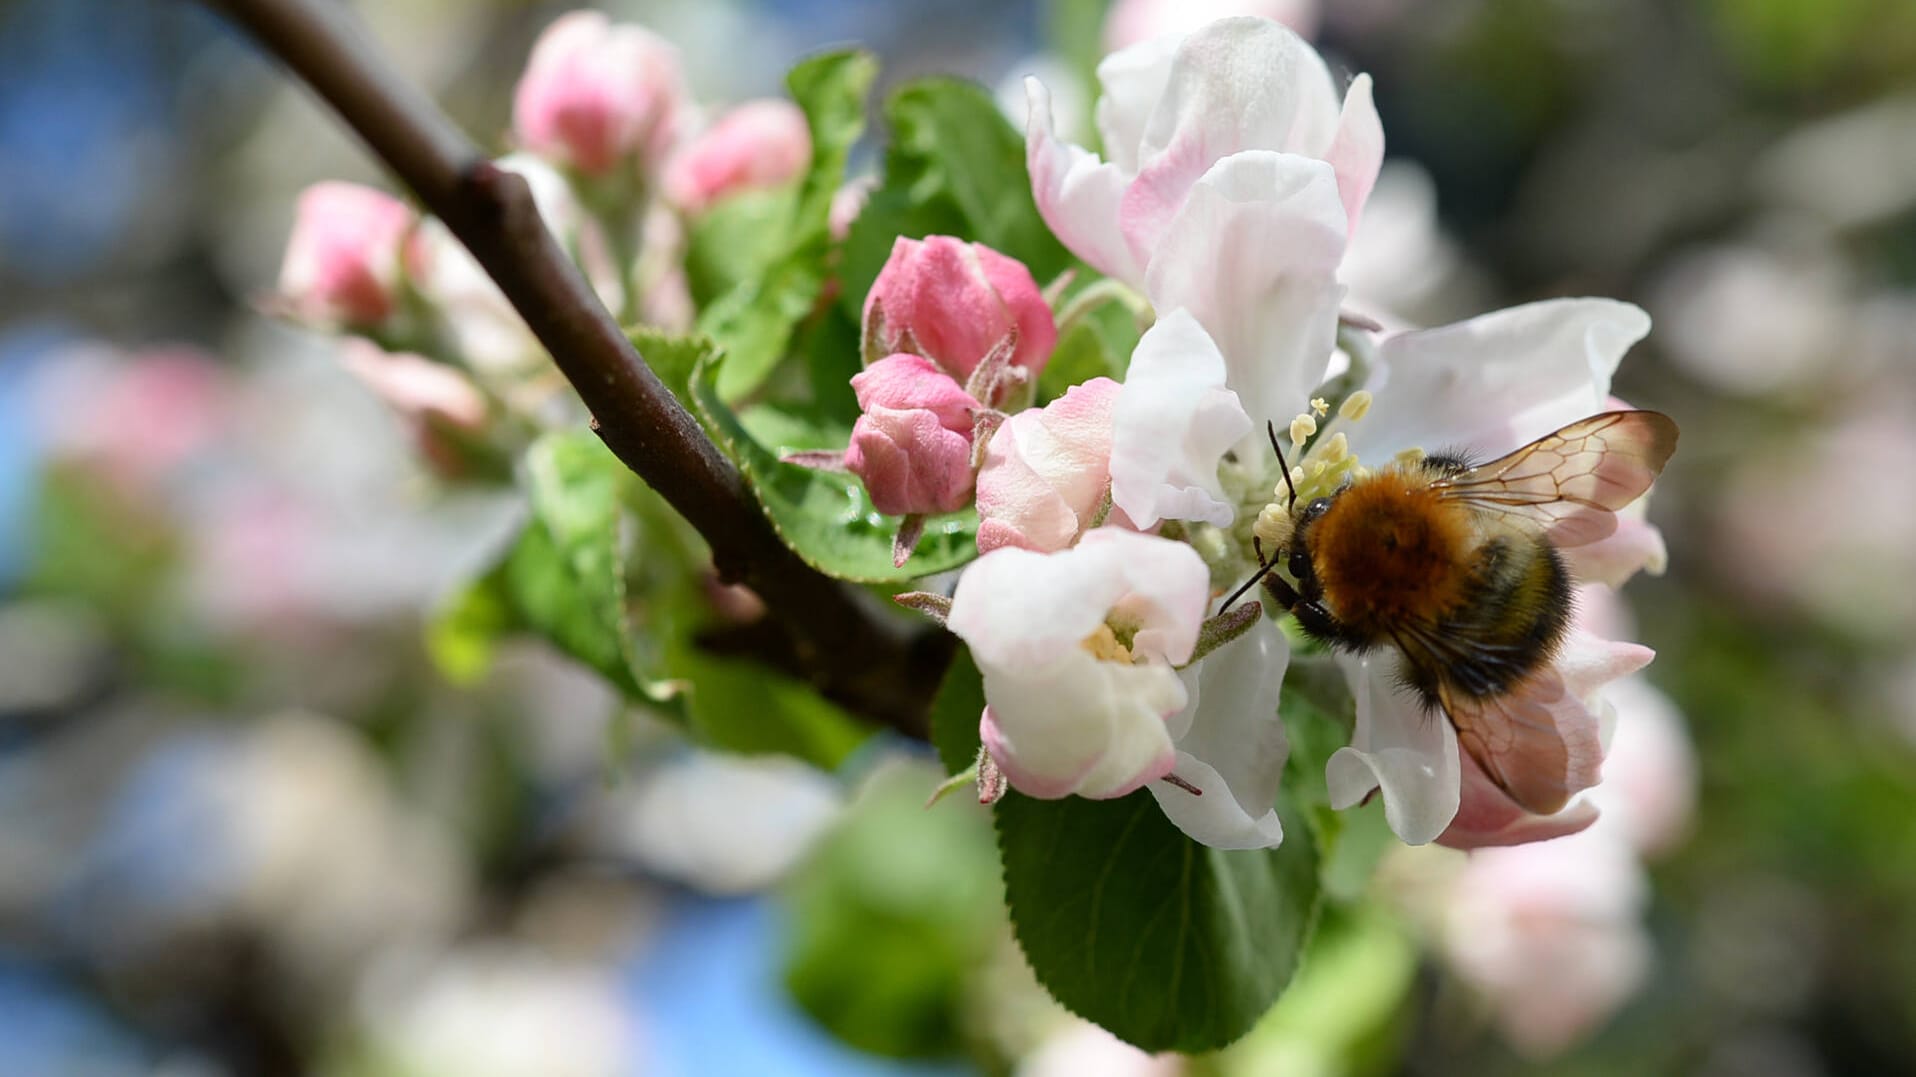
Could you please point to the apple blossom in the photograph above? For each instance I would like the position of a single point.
(1490, 385)
(1078, 649)
(1236, 175)
(342, 264)
(1047, 470)
(758, 144)
(597, 95)
(953, 302)
(1172, 424)
(912, 445)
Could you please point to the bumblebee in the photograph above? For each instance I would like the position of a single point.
(1455, 565)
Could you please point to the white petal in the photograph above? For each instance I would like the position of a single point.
(1497, 381)
(1237, 84)
(1077, 194)
(1173, 423)
(1253, 255)
(1081, 726)
(1409, 753)
(1166, 589)
(1231, 744)
(1020, 611)
(1133, 80)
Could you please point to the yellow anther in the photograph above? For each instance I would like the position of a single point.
(1356, 405)
(1273, 527)
(1297, 476)
(1104, 646)
(1302, 428)
(1337, 449)
(1319, 406)
(1412, 455)
(1314, 469)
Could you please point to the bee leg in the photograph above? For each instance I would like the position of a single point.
(1280, 590)
(1311, 615)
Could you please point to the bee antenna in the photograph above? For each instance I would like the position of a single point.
(1263, 569)
(1270, 427)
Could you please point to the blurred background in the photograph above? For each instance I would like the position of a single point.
(247, 827)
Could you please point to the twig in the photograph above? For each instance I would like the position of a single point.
(855, 654)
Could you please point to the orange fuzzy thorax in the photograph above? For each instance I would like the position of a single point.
(1389, 551)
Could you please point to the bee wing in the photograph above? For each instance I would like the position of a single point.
(1573, 481)
(1517, 740)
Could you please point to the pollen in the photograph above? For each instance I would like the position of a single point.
(1356, 405)
(1104, 646)
(1302, 428)
(1273, 527)
(1320, 406)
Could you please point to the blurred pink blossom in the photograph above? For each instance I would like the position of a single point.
(756, 145)
(342, 264)
(952, 302)
(912, 445)
(135, 418)
(597, 95)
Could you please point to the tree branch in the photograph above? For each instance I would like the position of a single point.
(856, 654)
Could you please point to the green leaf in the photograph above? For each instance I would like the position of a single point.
(672, 358)
(955, 713)
(735, 239)
(891, 918)
(755, 320)
(955, 166)
(741, 706)
(1168, 944)
(826, 517)
(564, 577)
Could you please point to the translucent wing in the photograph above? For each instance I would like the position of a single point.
(1573, 481)
(1529, 742)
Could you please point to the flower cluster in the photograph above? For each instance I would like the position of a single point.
(618, 159)
(1112, 517)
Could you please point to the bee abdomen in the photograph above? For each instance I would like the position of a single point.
(1514, 618)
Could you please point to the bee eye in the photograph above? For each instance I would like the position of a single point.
(1316, 508)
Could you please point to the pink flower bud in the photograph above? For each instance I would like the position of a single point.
(952, 302)
(595, 95)
(342, 260)
(758, 144)
(1046, 471)
(912, 447)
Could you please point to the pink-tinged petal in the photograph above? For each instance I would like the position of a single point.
(1237, 84)
(1077, 194)
(1080, 727)
(1046, 470)
(1025, 302)
(1231, 745)
(1495, 382)
(1173, 423)
(1635, 546)
(909, 462)
(1357, 153)
(912, 382)
(1253, 256)
(1487, 817)
(1400, 748)
(757, 145)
